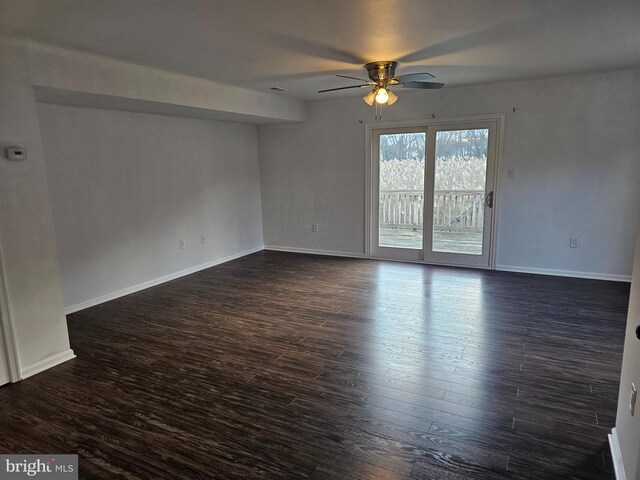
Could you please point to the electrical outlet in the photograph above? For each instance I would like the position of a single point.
(181, 244)
(15, 153)
(632, 399)
(573, 241)
(314, 227)
(203, 239)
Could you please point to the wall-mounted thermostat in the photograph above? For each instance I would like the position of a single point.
(15, 153)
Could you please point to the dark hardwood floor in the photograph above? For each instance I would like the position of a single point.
(291, 366)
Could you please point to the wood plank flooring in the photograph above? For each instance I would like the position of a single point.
(291, 366)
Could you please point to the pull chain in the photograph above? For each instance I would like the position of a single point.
(378, 111)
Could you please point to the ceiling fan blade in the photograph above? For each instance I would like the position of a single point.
(314, 49)
(415, 77)
(344, 88)
(352, 78)
(424, 85)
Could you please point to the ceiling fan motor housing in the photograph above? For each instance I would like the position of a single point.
(381, 72)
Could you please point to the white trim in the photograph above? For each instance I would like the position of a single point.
(312, 251)
(433, 121)
(497, 181)
(368, 180)
(504, 268)
(7, 331)
(157, 281)
(616, 454)
(45, 364)
(565, 273)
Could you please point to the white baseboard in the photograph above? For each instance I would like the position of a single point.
(565, 273)
(616, 454)
(331, 253)
(51, 361)
(505, 268)
(157, 281)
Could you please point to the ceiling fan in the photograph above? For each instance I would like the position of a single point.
(382, 76)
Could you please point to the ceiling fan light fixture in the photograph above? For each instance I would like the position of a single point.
(370, 97)
(382, 75)
(393, 98)
(382, 96)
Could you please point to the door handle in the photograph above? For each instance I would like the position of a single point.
(488, 200)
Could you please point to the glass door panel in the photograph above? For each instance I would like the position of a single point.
(398, 173)
(401, 190)
(460, 174)
(460, 161)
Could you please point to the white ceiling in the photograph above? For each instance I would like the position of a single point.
(300, 45)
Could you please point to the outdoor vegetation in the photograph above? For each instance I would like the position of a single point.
(461, 160)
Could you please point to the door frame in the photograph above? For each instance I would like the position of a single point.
(7, 332)
(425, 123)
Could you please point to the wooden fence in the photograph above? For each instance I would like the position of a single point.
(453, 210)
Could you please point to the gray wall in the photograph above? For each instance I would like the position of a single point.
(31, 298)
(627, 426)
(126, 187)
(573, 144)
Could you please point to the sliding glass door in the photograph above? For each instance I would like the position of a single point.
(432, 193)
